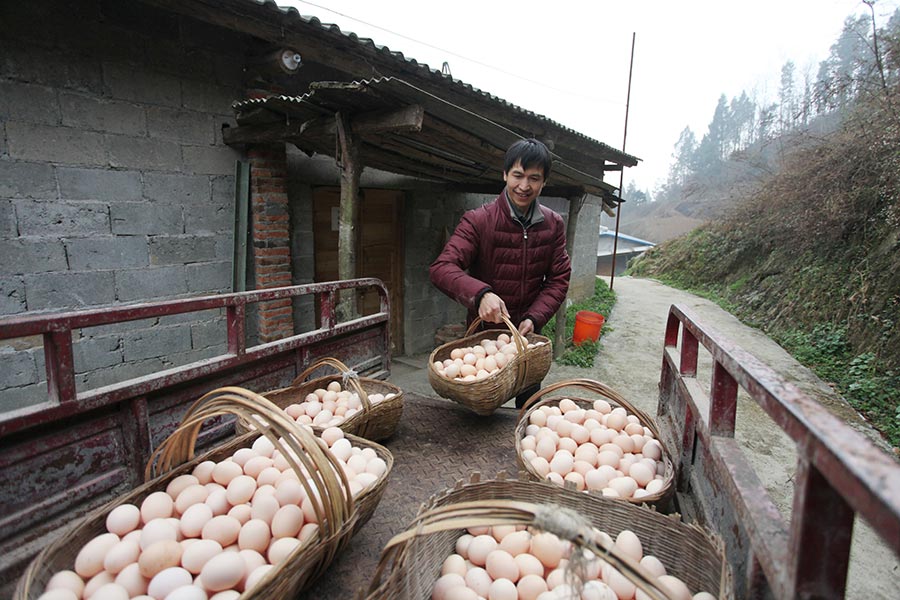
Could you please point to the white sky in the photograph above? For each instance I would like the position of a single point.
(568, 59)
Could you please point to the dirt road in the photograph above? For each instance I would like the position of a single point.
(629, 361)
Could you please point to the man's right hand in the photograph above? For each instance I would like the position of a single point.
(491, 308)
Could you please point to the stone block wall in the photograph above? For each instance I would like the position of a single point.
(115, 185)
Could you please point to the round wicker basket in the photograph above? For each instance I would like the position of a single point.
(484, 396)
(339, 514)
(411, 562)
(376, 421)
(662, 499)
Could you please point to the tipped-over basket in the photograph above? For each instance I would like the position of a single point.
(660, 498)
(483, 396)
(339, 514)
(411, 562)
(375, 421)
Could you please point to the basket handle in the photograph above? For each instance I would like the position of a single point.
(589, 384)
(520, 341)
(298, 445)
(521, 346)
(563, 522)
(349, 375)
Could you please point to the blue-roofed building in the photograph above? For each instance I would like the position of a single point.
(626, 248)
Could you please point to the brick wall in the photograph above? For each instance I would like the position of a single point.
(271, 238)
(115, 185)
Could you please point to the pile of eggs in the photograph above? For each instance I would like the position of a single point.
(601, 448)
(329, 407)
(510, 563)
(482, 360)
(211, 534)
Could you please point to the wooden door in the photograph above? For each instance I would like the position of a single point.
(379, 247)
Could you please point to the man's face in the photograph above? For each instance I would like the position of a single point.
(523, 185)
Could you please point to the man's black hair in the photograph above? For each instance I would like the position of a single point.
(531, 153)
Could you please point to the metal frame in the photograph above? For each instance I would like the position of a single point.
(64, 457)
(840, 474)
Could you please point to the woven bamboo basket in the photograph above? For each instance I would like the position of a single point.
(661, 499)
(375, 421)
(411, 561)
(339, 514)
(484, 396)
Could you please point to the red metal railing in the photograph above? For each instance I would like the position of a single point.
(840, 473)
(56, 329)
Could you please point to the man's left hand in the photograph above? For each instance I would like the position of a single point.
(526, 327)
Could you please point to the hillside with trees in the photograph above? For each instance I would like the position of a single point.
(802, 202)
(748, 136)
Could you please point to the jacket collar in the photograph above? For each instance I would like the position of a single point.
(537, 215)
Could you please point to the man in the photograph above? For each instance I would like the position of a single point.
(509, 257)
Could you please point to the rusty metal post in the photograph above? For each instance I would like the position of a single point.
(612, 269)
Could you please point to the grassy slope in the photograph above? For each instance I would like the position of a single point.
(813, 259)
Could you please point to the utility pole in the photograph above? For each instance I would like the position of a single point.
(612, 269)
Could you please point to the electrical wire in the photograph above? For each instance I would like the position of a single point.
(451, 53)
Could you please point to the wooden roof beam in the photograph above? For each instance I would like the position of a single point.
(405, 119)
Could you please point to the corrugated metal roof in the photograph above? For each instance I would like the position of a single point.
(292, 13)
(432, 150)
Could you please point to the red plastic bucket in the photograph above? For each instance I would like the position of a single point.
(587, 326)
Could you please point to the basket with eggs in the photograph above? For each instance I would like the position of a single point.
(509, 540)
(362, 406)
(603, 446)
(259, 517)
(483, 370)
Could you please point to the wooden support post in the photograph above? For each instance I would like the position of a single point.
(559, 338)
(351, 170)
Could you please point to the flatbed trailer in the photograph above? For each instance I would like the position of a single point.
(79, 449)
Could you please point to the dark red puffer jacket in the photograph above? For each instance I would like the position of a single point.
(529, 269)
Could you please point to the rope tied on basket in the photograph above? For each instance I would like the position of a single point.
(568, 524)
(347, 375)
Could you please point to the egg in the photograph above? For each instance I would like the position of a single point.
(89, 561)
(462, 545)
(624, 486)
(241, 512)
(445, 583)
(516, 543)
(478, 580)
(256, 465)
(110, 591)
(156, 531)
(281, 548)
(621, 585)
(454, 564)
(675, 588)
(189, 496)
(616, 421)
(66, 580)
(187, 592)
(158, 505)
(197, 555)
(528, 565)
(131, 579)
(703, 596)
(222, 571)
(652, 449)
(223, 529)
(547, 548)
(500, 564)
(96, 582)
(225, 471)
(240, 489)
(168, 580)
(121, 555)
(227, 595)
(123, 519)
(530, 587)
(193, 520)
(59, 594)
(255, 575)
(479, 548)
(503, 589)
(255, 535)
(641, 473)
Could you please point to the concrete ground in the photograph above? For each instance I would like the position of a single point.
(629, 361)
